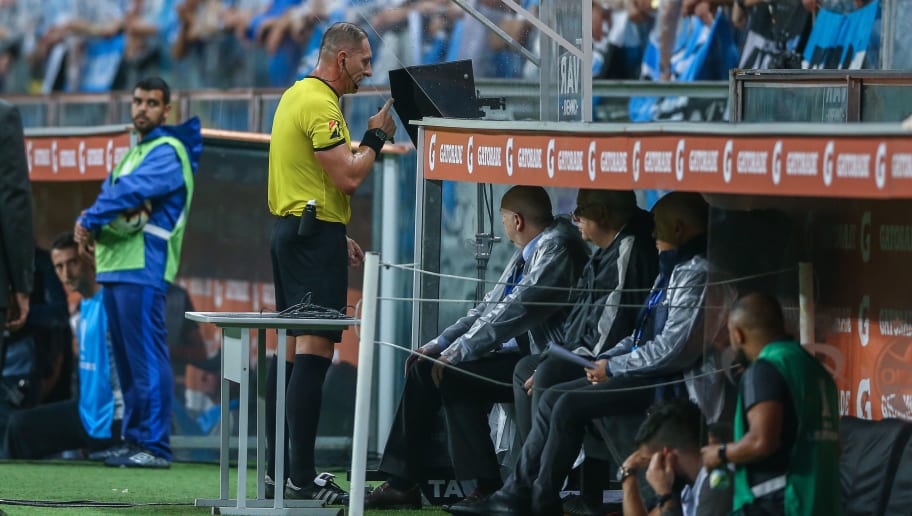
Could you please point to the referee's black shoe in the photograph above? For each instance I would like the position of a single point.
(322, 488)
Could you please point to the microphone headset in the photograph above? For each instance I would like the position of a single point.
(352, 79)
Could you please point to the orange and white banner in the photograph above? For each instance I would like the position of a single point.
(75, 158)
(834, 166)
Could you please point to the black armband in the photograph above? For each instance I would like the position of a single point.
(374, 138)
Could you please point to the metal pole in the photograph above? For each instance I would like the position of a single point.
(389, 247)
(278, 500)
(586, 75)
(887, 34)
(481, 260)
(363, 393)
(806, 302)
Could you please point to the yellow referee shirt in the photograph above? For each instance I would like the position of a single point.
(308, 119)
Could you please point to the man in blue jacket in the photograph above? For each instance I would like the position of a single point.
(91, 420)
(135, 229)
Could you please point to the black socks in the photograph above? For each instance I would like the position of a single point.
(303, 401)
(271, 380)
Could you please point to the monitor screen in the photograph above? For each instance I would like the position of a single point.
(437, 90)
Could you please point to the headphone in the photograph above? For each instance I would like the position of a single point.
(345, 68)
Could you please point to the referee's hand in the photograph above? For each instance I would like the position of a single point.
(355, 254)
(383, 120)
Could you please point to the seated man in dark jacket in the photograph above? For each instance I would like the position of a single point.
(668, 342)
(607, 297)
(526, 303)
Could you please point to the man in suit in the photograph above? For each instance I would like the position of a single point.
(17, 246)
(514, 319)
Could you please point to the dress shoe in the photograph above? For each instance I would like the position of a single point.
(386, 496)
(477, 495)
(499, 504)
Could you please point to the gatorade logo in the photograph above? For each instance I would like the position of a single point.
(880, 166)
(54, 156)
(592, 161)
(828, 163)
(679, 161)
(777, 162)
(82, 157)
(864, 323)
(550, 157)
(863, 400)
(109, 155)
(727, 161)
(864, 238)
(636, 161)
(470, 164)
(509, 156)
(432, 152)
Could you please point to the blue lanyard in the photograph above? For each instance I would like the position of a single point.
(650, 306)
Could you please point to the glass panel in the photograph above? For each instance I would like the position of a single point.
(793, 103)
(459, 225)
(858, 248)
(901, 16)
(33, 115)
(886, 103)
(83, 114)
(229, 114)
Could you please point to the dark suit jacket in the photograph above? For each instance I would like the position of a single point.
(17, 245)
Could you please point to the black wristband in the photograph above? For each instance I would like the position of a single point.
(723, 458)
(663, 499)
(373, 140)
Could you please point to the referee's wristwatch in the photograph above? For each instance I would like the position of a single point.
(379, 133)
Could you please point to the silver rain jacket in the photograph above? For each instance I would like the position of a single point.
(685, 343)
(613, 286)
(557, 261)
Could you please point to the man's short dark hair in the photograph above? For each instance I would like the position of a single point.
(610, 209)
(676, 423)
(758, 311)
(341, 36)
(64, 240)
(155, 83)
(532, 202)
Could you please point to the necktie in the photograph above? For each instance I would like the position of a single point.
(516, 276)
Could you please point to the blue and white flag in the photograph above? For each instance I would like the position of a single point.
(701, 53)
(840, 41)
(102, 60)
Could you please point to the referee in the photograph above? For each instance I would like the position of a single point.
(310, 159)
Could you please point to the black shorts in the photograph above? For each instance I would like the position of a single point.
(315, 264)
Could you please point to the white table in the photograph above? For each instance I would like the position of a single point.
(236, 327)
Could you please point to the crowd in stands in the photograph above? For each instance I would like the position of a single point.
(101, 45)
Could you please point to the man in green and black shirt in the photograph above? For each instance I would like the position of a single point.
(786, 448)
